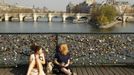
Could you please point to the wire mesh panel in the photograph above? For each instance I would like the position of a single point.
(98, 49)
(15, 48)
(85, 49)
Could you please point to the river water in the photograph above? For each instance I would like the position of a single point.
(41, 26)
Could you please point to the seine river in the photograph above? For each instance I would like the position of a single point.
(41, 26)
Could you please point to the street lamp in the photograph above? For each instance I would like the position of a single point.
(16, 5)
(33, 8)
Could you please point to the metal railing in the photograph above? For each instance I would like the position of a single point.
(85, 49)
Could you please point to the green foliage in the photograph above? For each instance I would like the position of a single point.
(103, 14)
(102, 19)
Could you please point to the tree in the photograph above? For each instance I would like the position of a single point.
(103, 14)
(108, 11)
(102, 19)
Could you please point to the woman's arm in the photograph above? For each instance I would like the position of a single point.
(39, 65)
(31, 65)
(67, 63)
(56, 62)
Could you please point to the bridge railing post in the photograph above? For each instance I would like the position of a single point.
(34, 17)
(124, 18)
(21, 17)
(78, 16)
(64, 17)
(6, 17)
(49, 17)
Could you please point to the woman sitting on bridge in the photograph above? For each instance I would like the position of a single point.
(62, 59)
(36, 62)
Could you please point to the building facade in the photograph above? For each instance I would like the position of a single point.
(123, 7)
(89, 2)
(70, 7)
(83, 7)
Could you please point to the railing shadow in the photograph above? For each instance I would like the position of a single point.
(20, 70)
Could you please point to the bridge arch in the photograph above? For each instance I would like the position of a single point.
(11, 18)
(2, 18)
(129, 18)
(49, 16)
(56, 18)
(42, 18)
(24, 18)
(70, 18)
(84, 17)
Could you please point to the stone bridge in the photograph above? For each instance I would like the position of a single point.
(128, 17)
(36, 16)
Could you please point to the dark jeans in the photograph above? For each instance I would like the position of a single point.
(57, 69)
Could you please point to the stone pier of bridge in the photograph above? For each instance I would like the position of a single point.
(21, 16)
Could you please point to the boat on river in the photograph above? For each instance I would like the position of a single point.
(80, 21)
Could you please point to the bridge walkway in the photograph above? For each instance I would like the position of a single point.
(90, 70)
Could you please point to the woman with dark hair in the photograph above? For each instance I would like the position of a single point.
(36, 62)
(62, 59)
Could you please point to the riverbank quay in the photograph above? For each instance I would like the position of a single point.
(104, 26)
(109, 25)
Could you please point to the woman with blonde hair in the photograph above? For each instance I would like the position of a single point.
(62, 59)
(36, 62)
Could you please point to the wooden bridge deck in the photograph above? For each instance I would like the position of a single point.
(93, 70)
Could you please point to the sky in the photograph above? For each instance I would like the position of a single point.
(59, 5)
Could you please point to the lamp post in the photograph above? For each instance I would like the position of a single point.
(33, 8)
(16, 5)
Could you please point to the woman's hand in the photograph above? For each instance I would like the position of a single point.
(62, 64)
(36, 56)
(66, 65)
(42, 58)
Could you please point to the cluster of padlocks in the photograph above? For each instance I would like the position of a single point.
(85, 49)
